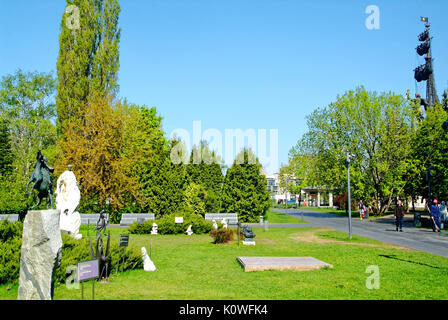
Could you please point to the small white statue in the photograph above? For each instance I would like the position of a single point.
(148, 265)
(68, 196)
(224, 223)
(215, 225)
(189, 231)
(154, 228)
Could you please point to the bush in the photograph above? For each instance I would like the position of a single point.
(10, 230)
(73, 251)
(166, 224)
(221, 235)
(199, 225)
(141, 228)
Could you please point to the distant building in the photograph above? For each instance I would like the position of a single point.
(309, 196)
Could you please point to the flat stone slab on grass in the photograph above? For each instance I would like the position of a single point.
(281, 263)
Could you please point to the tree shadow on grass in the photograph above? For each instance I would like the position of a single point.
(392, 256)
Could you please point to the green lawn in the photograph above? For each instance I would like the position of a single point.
(192, 267)
(279, 217)
(355, 213)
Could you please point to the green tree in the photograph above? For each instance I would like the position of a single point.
(205, 169)
(27, 104)
(164, 182)
(27, 113)
(5, 149)
(244, 189)
(195, 197)
(378, 130)
(430, 148)
(88, 60)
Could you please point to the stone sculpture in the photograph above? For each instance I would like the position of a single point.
(68, 196)
(215, 225)
(189, 231)
(148, 265)
(42, 181)
(40, 255)
(224, 223)
(154, 228)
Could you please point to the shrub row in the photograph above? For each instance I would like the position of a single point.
(166, 224)
(73, 251)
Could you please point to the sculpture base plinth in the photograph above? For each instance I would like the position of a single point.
(40, 254)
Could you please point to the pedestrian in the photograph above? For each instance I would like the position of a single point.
(435, 216)
(361, 209)
(443, 213)
(399, 215)
(366, 211)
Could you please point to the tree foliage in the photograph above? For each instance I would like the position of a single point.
(378, 130)
(205, 169)
(430, 149)
(88, 60)
(244, 189)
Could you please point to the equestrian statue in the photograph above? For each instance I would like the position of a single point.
(42, 181)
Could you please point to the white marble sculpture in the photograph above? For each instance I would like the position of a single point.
(215, 225)
(148, 265)
(67, 200)
(154, 228)
(224, 223)
(189, 231)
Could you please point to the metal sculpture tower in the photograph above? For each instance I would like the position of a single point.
(425, 72)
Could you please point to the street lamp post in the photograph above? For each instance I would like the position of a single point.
(349, 199)
(428, 177)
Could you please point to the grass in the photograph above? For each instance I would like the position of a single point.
(279, 217)
(193, 268)
(355, 213)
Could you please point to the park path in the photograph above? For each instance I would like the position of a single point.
(379, 229)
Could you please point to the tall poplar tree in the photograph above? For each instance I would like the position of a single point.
(88, 60)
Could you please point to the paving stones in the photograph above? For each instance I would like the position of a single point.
(281, 263)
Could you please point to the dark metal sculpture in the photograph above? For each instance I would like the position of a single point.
(249, 235)
(100, 253)
(101, 224)
(42, 180)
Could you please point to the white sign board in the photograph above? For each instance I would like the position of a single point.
(179, 219)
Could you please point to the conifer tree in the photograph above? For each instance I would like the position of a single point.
(205, 169)
(244, 189)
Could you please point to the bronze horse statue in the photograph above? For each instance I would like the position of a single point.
(42, 180)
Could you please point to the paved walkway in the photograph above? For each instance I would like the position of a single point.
(380, 229)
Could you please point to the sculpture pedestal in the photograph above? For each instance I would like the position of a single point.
(40, 255)
(249, 243)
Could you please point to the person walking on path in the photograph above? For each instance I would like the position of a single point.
(443, 213)
(399, 215)
(435, 216)
(366, 211)
(361, 209)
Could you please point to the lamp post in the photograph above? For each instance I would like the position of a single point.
(347, 162)
(428, 177)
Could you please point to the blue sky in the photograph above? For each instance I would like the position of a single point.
(260, 64)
